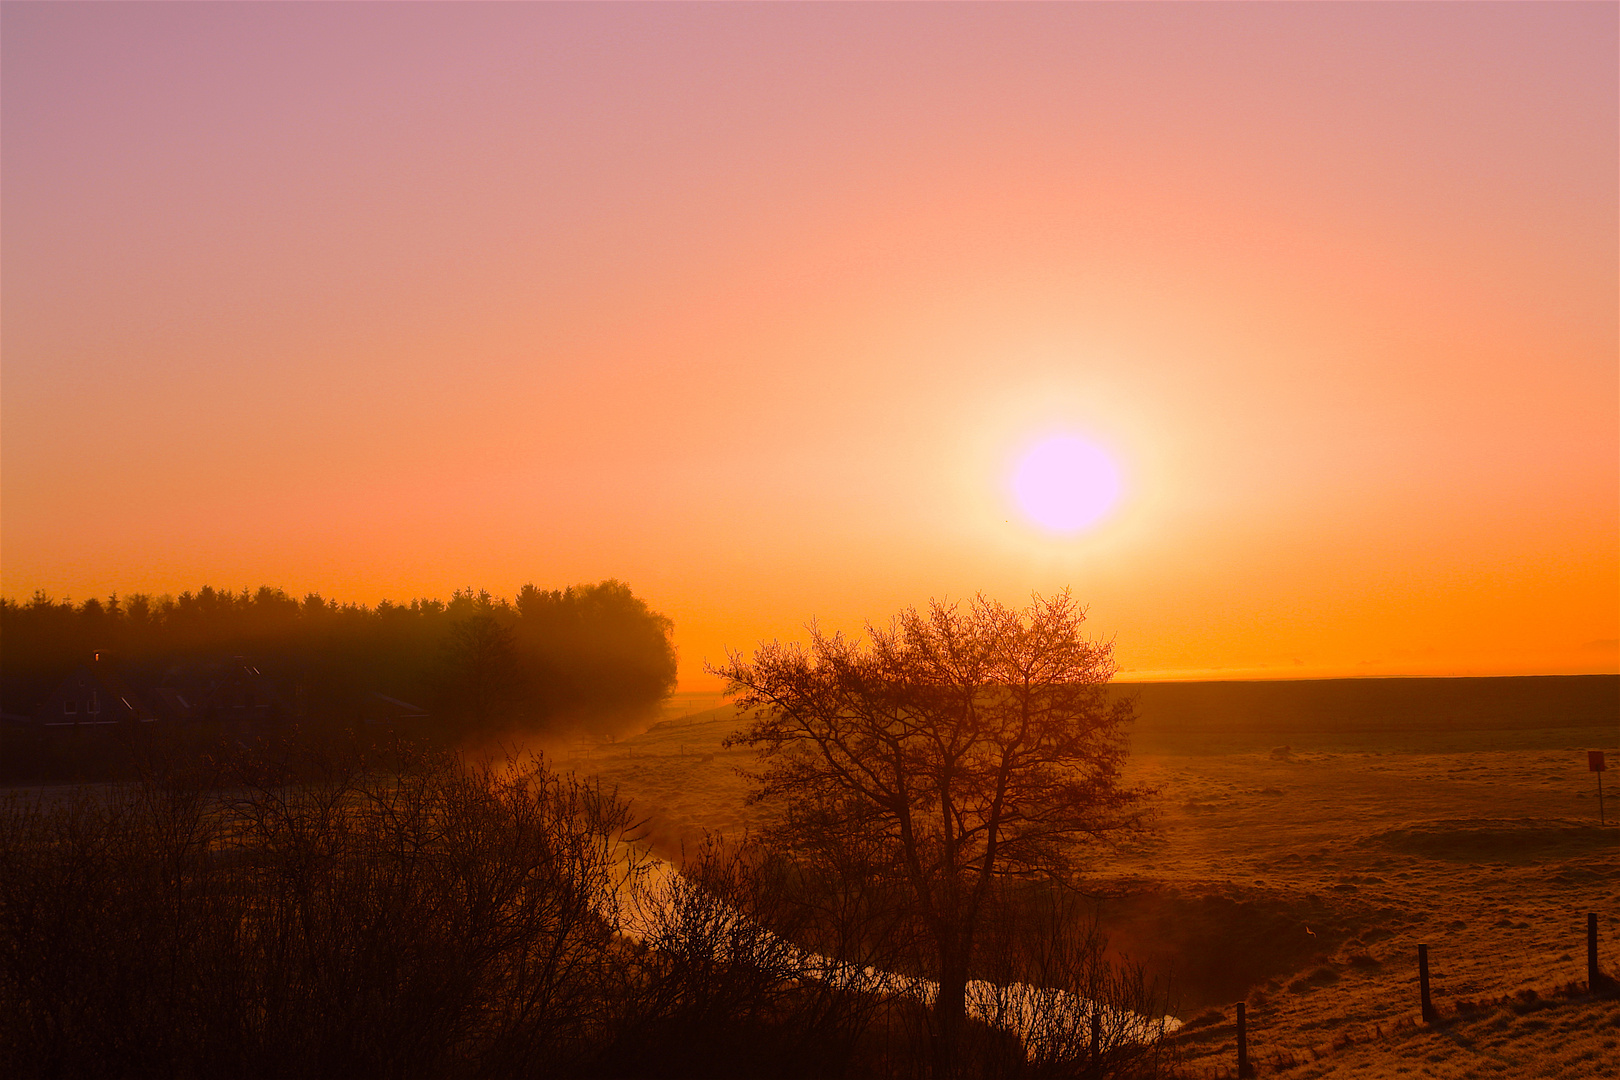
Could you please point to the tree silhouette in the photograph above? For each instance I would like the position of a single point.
(483, 667)
(593, 656)
(972, 746)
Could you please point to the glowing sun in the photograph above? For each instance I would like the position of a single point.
(1066, 484)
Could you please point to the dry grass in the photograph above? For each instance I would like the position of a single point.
(1375, 841)
(679, 775)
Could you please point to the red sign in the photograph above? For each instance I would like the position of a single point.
(1594, 761)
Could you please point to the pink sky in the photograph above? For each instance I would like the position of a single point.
(755, 307)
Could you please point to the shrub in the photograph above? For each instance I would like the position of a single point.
(432, 920)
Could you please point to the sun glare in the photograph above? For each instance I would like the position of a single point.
(1066, 484)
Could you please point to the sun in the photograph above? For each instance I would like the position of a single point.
(1066, 484)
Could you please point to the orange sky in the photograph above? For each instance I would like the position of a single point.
(754, 307)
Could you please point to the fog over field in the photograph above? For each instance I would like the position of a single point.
(1310, 836)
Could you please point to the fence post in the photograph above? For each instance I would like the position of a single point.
(1096, 1041)
(1244, 1068)
(1595, 979)
(1423, 983)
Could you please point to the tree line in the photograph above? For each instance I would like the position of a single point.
(586, 655)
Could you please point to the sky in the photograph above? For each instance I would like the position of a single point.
(763, 309)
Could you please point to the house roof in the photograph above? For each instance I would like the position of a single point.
(107, 685)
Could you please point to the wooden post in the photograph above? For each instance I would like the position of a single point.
(1423, 983)
(1595, 763)
(1096, 1042)
(1244, 1068)
(1594, 977)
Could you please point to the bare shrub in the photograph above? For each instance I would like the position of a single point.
(435, 919)
(1078, 1012)
(751, 950)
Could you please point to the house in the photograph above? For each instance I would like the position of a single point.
(382, 709)
(95, 695)
(233, 690)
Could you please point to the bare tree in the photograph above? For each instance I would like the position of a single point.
(972, 745)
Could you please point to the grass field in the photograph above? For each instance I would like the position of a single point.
(1310, 836)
